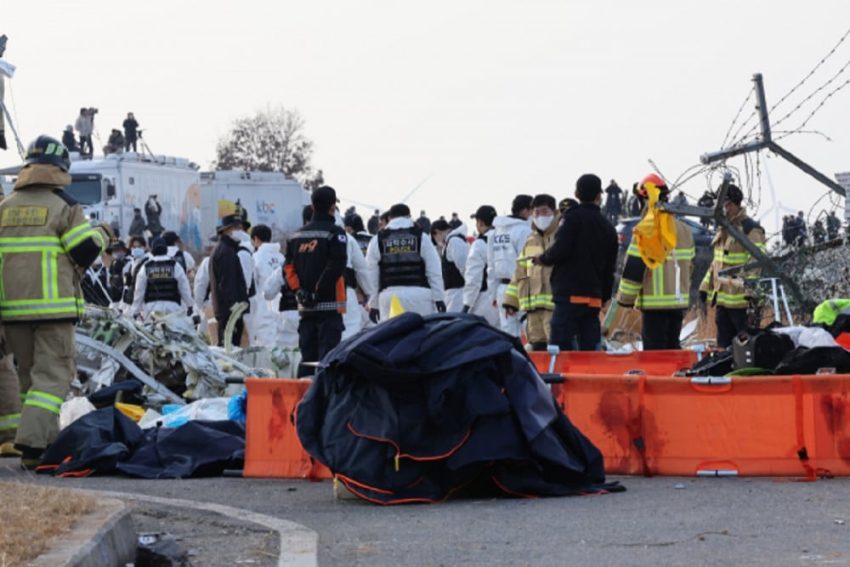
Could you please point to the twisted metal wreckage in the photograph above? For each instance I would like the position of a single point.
(167, 355)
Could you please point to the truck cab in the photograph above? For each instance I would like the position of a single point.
(92, 191)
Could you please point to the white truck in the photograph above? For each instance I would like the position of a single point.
(110, 188)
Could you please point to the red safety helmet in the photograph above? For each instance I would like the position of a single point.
(655, 180)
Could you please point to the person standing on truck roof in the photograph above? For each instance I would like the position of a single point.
(661, 294)
(477, 289)
(404, 263)
(316, 257)
(85, 126)
(131, 132)
(453, 249)
(583, 258)
(267, 259)
(47, 242)
(532, 283)
(175, 250)
(153, 210)
(231, 274)
(503, 249)
(137, 227)
(161, 285)
(728, 291)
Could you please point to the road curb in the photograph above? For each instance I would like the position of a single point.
(105, 536)
(298, 544)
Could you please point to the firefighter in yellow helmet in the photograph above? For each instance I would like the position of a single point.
(45, 242)
(660, 293)
(727, 291)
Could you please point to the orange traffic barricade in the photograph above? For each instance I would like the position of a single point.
(651, 363)
(755, 426)
(272, 448)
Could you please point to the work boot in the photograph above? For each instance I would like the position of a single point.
(7, 449)
(30, 457)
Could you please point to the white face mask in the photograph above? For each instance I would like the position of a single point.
(543, 221)
(240, 235)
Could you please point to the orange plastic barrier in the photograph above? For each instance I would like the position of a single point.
(757, 426)
(651, 363)
(272, 448)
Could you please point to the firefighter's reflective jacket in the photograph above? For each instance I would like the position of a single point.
(530, 288)
(665, 287)
(728, 290)
(45, 240)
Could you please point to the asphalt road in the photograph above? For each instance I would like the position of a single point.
(661, 520)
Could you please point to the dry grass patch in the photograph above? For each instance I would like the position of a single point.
(32, 515)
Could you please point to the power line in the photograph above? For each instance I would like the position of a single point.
(737, 115)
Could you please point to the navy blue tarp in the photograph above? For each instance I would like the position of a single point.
(420, 408)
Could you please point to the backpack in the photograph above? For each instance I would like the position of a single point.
(760, 349)
(714, 364)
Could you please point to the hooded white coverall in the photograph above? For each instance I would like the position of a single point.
(264, 315)
(480, 303)
(504, 246)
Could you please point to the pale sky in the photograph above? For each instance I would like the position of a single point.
(490, 98)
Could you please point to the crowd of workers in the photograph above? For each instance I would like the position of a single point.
(547, 268)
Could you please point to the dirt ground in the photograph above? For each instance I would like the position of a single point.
(32, 515)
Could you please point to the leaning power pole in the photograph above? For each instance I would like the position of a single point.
(765, 142)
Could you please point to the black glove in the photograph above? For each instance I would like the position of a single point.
(374, 316)
(306, 299)
(703, 297)
(441, 307)
(196, 319)
(465, 309)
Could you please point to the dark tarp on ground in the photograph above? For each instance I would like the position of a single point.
(418, 408)
(108, 442)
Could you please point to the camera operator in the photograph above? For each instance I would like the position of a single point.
(131, 131)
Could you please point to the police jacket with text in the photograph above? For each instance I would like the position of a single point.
(162, 281)
(316, 257)
(401, 261)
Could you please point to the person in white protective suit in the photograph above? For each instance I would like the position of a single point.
(356, 276)
(478, 296)
(264, 316)
(453, 249)
(404, 263)
(504, 246)
(161, 285)
(201, 289)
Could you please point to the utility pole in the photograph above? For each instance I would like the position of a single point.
(766, 143)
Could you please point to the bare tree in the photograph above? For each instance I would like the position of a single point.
(271, 140)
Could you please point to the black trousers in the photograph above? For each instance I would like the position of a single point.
(318, 333)
(575, 326)
(730, 322)
(661, 329)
